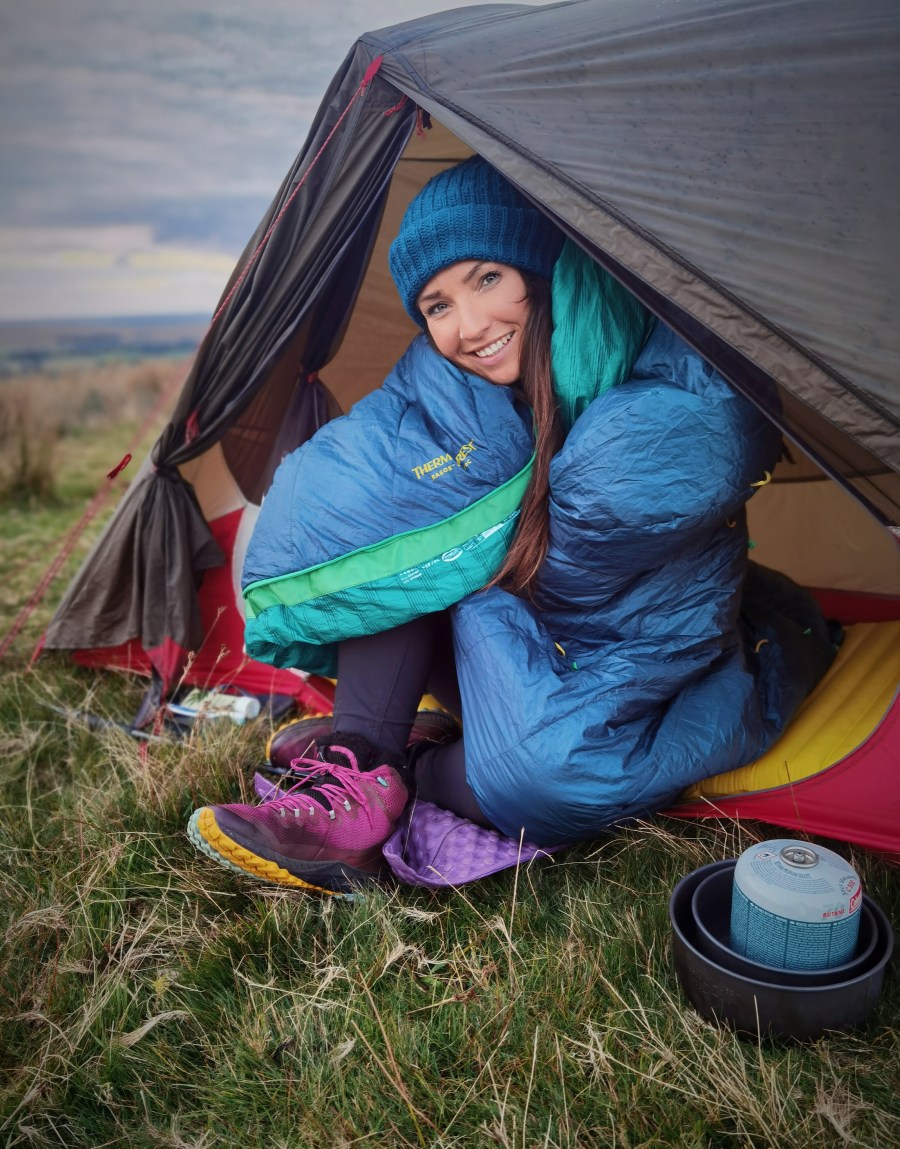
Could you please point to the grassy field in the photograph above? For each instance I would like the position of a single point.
(150, 998)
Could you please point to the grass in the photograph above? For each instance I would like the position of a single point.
(61, 433)
(149, 998)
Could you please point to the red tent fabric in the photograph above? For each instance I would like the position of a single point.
(855, 800)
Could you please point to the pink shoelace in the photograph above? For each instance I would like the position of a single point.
(337, 782)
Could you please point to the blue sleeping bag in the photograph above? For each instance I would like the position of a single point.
(642, 666)
(652, 654)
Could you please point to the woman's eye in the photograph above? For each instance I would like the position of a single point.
(489, 277)
(434, 309)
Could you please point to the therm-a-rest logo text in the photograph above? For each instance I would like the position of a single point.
(441, 464)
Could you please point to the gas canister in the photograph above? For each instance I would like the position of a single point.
(794, 905)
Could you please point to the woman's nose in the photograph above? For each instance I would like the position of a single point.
(471, 321)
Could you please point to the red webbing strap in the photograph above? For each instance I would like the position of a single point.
(363, 84)
(192, 425)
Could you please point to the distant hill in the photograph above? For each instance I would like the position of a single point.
(37, 345)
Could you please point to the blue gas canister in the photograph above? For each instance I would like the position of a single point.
(795, 906)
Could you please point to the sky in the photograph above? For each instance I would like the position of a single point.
(141, 141)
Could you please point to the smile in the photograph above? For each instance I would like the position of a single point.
(493, 348)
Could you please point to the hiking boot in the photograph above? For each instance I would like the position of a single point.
(296, 739)
(325, 833)
(299, 738)
(436, 727)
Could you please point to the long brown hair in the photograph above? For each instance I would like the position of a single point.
(529, 546)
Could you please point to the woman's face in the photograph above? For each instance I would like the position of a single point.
(476, 311)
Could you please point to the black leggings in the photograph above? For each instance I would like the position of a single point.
(381, 680)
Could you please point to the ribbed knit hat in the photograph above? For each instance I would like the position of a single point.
(469, 211)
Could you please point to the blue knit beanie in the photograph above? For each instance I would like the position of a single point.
(469, 211)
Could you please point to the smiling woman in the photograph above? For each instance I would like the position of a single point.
(476, 314)
(582, 610)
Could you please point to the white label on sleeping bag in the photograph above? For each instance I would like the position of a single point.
(454, 553)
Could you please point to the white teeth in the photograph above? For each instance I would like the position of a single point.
(494, 347)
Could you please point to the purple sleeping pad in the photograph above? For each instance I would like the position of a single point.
(432, 847)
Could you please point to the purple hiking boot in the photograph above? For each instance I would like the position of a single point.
(325, 833)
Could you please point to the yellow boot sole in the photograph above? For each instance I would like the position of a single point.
(204, 832)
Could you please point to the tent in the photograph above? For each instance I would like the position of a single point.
(733, 163)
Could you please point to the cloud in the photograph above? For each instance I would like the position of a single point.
(108, 271)
(177, 117)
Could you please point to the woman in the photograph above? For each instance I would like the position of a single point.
(623, 649)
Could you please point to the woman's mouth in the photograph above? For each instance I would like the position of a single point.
(493, 348)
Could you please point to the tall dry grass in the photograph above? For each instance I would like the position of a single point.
(28, 443)
(40, 410)
(61, 432)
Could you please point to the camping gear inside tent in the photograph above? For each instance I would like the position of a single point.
(733, 165)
